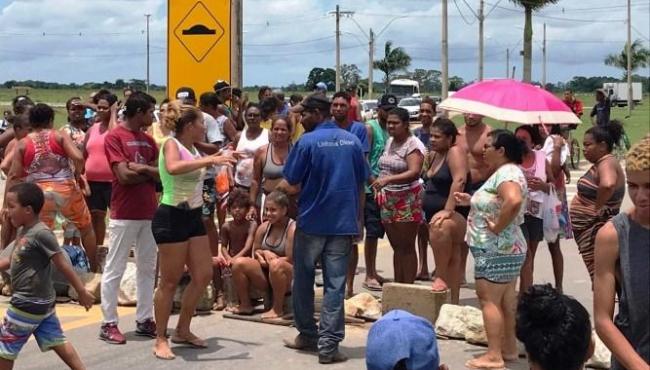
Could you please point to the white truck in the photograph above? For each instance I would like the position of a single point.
(404, 88)
(617, 92)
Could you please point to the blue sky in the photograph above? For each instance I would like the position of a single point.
(98, 40)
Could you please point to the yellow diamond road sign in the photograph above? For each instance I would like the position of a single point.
(199, 31)
(198, 44)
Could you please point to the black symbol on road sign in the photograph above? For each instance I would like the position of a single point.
(199, 31)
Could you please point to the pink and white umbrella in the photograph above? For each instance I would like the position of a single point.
(510, 101)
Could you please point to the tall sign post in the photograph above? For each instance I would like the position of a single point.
(198, 44)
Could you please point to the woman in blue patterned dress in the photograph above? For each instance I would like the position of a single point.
(498, 245)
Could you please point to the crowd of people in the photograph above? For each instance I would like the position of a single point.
(295, 186)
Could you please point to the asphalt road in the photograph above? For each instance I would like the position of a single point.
(235, 344)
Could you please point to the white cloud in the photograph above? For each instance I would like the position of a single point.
(284, 39)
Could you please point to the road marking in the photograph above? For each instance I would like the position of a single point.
(73, 316)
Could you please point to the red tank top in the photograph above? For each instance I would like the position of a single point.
(45, 159)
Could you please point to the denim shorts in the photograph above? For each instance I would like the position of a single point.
(372, 218)
(209, 197)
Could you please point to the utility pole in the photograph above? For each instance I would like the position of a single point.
(544, 59)
(371, 58)
(338, 49)
(444, 53)
(514, 69)
(481, 18)
(148, 16)
(630, 98)
(237, 32)
(507, 62)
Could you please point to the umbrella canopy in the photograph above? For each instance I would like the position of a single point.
(510, 101)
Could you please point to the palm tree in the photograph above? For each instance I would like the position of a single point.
(529, 7)
(394, 60)
(640, 58)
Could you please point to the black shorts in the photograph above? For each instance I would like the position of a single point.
(533, 228)
(464, 210)
(100, 196)
(372, 218)
(176, 225)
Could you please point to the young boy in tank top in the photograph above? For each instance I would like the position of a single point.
(236, 241)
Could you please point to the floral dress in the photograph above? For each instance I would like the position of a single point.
(498, 257)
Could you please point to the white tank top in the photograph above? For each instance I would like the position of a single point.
(244, 172)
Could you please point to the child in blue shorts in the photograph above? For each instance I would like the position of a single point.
(29, 260)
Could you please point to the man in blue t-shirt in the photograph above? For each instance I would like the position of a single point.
(341, 105)
(328, 168)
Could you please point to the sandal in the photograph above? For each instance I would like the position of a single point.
(194, 342)
(372, 285)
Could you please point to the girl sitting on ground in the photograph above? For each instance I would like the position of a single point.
(272, 264)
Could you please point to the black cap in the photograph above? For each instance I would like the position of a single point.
(220, 85)
(185, 93)
(387, 101)
(316, 102)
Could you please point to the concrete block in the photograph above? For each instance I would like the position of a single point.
(419, 300)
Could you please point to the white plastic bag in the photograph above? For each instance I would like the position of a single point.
(551, 216)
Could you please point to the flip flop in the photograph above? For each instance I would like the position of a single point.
(470, 365)
(166, 358)
(372, 286)
(194, 343)
(236, 311)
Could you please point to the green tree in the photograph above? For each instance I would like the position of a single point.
(317, 74)
(429, 79)
(529, 7)
(640, 58)
(394, 60)
(350, 75)
(456, 83)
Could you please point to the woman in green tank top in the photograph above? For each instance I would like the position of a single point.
(177, 225)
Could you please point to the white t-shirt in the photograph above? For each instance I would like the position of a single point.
(548, 150)
(214, 134)
(214, 128)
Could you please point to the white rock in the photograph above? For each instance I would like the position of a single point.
(128, 293)
(602, 358)
(363, 305)
(474, 328)
(450, 323)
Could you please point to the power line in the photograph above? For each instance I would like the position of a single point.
(560, 18)
(303, 52)
(471, 9)
(281, 23)
(640, 33)
(293, 42)
(35, 53)
(70, 34)
(463, 16)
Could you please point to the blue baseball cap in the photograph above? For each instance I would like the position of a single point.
(321, 86)
(398, 336)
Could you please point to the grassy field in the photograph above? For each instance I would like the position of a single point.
(636, 126)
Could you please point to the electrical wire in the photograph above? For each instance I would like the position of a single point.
(307, 52)
(640, 34)
(70, 34)
(293, 42)
(463, 16)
